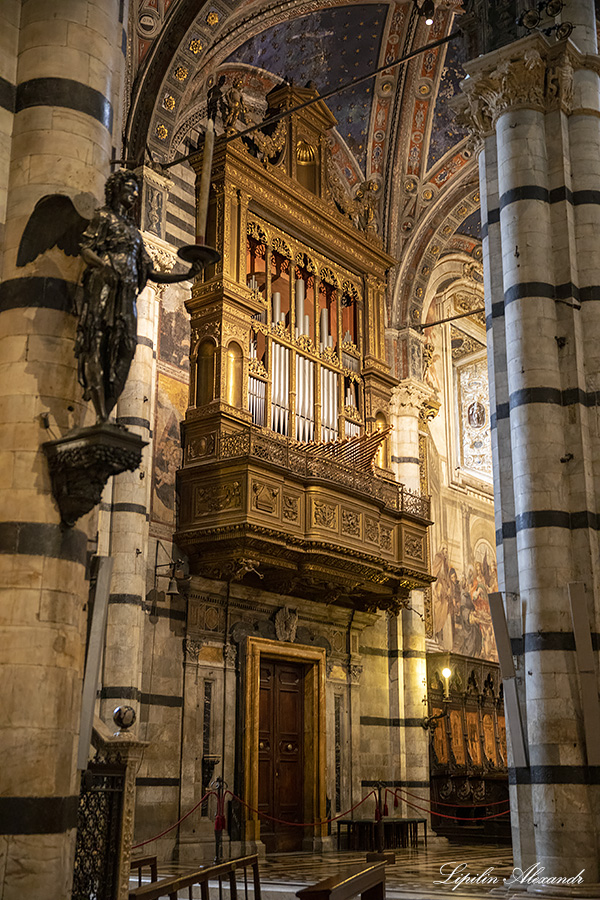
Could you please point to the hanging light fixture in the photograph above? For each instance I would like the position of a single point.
(172, 590)
(426, 9)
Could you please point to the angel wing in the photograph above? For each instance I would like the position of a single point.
(54, 222)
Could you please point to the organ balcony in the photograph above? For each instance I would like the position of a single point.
(286, 479)
(309, 519)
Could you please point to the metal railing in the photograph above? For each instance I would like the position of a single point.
(287, 454)
(170, 887)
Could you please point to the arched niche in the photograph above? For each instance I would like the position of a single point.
(204, 369)
(234, 374)
(382, 458)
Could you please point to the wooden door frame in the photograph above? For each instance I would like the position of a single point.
(314, 728)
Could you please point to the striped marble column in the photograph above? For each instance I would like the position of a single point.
(542, 145)
(409, 400)
(127, 519)
(68, 56)
(504, 500)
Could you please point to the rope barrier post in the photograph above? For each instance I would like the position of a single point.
(220, 786)
(379, 828)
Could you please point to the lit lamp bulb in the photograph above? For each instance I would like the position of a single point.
(446, 672)
(428, 10)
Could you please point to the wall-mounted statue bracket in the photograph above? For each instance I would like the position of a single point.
(117, 269)
(81, 463)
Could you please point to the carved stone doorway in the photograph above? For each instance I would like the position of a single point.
(293, 714)
(281, 755)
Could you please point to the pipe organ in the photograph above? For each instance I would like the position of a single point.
(292, 322)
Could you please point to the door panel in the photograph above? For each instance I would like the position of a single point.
(280, 753)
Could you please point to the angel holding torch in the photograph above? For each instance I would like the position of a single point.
(118, 267)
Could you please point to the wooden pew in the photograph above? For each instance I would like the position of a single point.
(142, 862)
(170, 887)
(368, 881)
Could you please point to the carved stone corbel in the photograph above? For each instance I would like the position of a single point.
(414, 398)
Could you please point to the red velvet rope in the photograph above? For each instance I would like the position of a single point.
(441, 803)
(171, 827)
(300, 824)
(459, 818)
(220, 816)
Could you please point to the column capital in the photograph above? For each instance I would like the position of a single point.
(413, 398)
(527, 74)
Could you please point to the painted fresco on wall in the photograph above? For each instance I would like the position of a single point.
(174, 346)
(462, 622)
(172, 401)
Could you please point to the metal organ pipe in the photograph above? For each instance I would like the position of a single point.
(299, 307)
(276, 307)
(324, 328)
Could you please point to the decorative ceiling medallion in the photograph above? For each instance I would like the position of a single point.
(162, 132)
(195, 46)
(180, 73)
(148, 23)
(410, 186)
(212, 18)
(428, 194)
(168, 102)
(386, 87)
(425, 89)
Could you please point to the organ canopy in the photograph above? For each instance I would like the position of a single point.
(288, 356)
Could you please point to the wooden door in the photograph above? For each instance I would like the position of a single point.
(281, 754)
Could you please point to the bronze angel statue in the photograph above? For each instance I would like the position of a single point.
(117, 269)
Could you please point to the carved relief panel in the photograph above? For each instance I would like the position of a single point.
(475, 449)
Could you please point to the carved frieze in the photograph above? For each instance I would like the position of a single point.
(325, 515)
(371, 530)
(264, 497)
(411, 397)
(290, 508)
(191, 650)
(414, 547)
(354, 672)
(385, 538)
(351, 522)
(217, 497)
(198, 447)
(531, 75)
(204, 616)
(286, 624)
(206, 329)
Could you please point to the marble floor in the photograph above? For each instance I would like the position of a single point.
(418, 873)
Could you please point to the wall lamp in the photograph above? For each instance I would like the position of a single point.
(531, 19)
(427, 9)
(446, 673)
(172, 589)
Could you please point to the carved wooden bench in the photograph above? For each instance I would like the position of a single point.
(170, 887)
(368, 881)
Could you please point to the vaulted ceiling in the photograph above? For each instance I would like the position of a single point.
(396, 128)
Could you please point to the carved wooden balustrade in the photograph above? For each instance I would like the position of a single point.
(259, 504)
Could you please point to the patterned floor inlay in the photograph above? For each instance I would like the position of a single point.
(434, 873)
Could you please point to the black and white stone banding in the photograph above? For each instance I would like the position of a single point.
(539, 174)
(58, 107)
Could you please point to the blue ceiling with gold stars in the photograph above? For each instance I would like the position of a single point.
(329, 47)
(445, 133)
